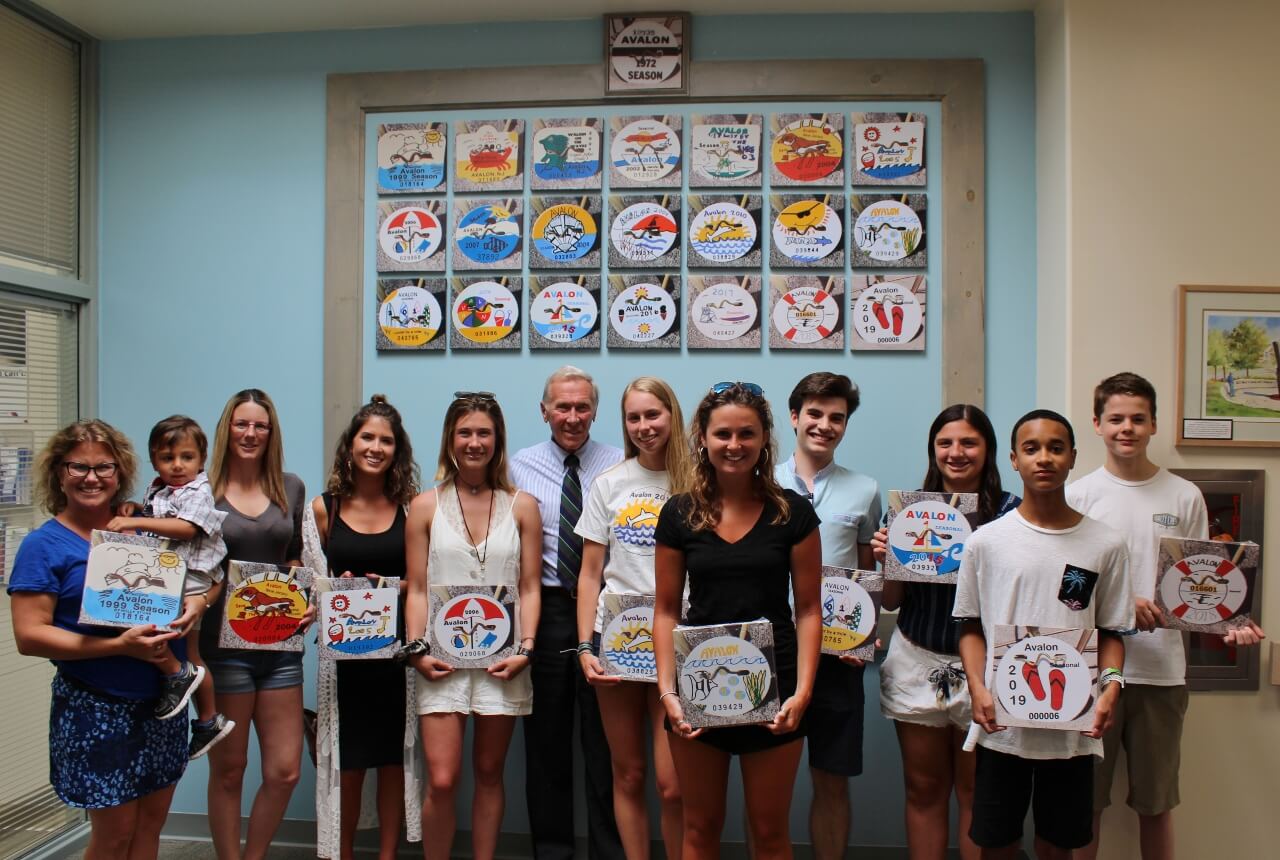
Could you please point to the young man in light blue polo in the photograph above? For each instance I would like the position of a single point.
(848, 504)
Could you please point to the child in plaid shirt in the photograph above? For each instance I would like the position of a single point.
(179, 505)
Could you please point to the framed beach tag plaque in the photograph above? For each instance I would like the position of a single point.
(131, 580)
(1205, 585)
(726, 674)
(264, 606)
(472, 626)
(357, 620)
(927, 534)
(1044, 677)
(626, 637)
(850, 611)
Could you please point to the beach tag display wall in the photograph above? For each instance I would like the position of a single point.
(927, 534)
(487, 234)
(806, 149)
(1206, 586)
(410, 314)
(485, 313)
(806, 312)
(643, 232)
(410, 236)
(850, 611)
(1044, 677)
(358, 621)
(888, 232)
(131, 580)
(644, 151)
(411, 157)
(724, 230)
(724, 150)
(646, 53)
(888, 149)
(888, 312)
(564, 313)
(644, 311)
(487, 155)
(265, 604)
(472, 626)
(626, 637)
(807, 231)
(726, 674)
(565, 232)
(565, 153)
(724, 312)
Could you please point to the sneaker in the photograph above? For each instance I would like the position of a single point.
(178, 691)
(204, 738)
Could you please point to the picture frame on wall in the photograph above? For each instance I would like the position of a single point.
(647, 53)
(1228, 354)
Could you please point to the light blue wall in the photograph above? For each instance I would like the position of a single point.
(212, 226)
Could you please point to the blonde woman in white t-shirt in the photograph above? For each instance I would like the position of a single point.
(618, 524)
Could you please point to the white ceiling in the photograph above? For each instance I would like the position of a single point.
(146, 19)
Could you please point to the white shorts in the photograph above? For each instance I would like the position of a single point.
(475, 691)
(923, 687)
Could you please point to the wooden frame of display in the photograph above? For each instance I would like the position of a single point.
(957, 85)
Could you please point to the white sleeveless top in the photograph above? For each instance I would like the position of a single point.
(452, 560)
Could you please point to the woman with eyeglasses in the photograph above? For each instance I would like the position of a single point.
(617, 528)
(357, 528)
(922, 682)
(108, 753)
(744, 543)
(473, 529)
(264, 506)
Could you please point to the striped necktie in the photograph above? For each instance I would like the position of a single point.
(569, 547)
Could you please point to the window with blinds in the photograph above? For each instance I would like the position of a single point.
(38, 395)
(39, 145)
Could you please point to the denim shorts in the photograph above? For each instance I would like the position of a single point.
(251, 671)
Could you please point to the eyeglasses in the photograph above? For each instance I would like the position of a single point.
(247, 426)
(82, 470)
(749, 387)
(474, 395)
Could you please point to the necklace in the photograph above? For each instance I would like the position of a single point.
(489, 525)
(474, 488)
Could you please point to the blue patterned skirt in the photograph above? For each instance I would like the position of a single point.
(106, 750)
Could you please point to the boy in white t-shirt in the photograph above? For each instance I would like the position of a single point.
(1145, 503)
(1016, 570)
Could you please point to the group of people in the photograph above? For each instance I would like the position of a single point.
(710, 523)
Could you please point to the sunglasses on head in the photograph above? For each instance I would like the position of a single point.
(474, 395)
(749, 387)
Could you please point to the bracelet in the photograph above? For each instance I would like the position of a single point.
(1109, 675)
(662, 696)
(412, 649)
(585, 648)
(525, 652)
(205, 595)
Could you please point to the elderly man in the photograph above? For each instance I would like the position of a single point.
(559, 474)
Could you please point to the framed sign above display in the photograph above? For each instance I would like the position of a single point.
(646, 53)
(1228, 352)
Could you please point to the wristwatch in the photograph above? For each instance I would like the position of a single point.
(413, 649)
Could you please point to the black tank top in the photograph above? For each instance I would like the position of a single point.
(381, 553)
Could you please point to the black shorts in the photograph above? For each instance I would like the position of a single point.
(834, 718)
(1059, 791)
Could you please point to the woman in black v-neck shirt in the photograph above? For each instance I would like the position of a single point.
(746, 545)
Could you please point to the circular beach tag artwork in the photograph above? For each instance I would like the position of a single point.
(807, 150)
(724, 311)
(410, 235)
(645, 52)
(485, 312)
(643, 313)
(564, 232)
(806, 314)
(725, 675)
(1204, 589)
(410, 316)
(846, 604)
(888, 231)
(411, 158)
(488, 233)
(645, 150)
(643, 232)
(723, 232)
(472, 626)
(566, 152)
(265, 610)
(725, 151)
(807, 231)
(1043, 678)
(628, 642)
(887, 313)
(564, 312)
(929, 537)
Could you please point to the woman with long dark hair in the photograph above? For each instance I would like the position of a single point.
(743, 543)
(922, 681)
